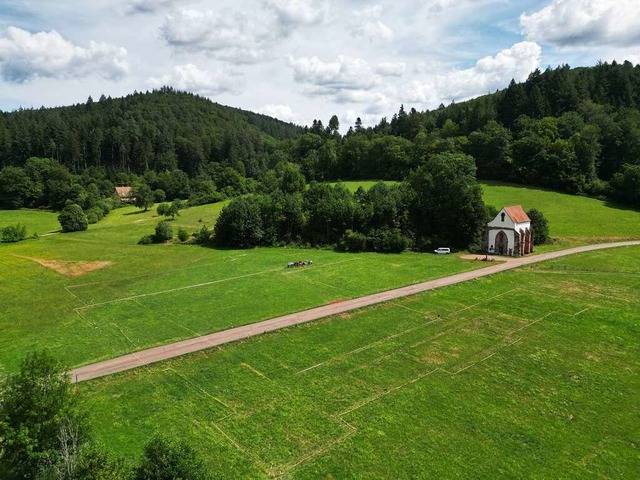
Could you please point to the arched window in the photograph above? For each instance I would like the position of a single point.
(502, 216)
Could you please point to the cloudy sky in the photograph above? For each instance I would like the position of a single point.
(301, 59)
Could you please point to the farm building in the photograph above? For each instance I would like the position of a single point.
(124, 193)
(509, 233)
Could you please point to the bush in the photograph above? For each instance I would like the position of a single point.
(162, 209)
(164, 232)
(353, 242)
(14, 233)
(169, 460)
(146, 240)
(95, 214)
(73, 219)
(539, 226)
(183, 235)
(202, 236)
(390, 240)
(159, 196)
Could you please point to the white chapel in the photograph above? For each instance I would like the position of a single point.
(509, 233)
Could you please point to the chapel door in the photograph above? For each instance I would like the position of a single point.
(502, 243)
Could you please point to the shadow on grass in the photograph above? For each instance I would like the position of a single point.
(138, 212)
(620, 206)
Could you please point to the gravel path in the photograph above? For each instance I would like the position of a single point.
(157, 354)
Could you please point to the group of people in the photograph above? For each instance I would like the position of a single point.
(300, 263)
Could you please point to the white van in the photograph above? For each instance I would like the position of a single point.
(443, 251)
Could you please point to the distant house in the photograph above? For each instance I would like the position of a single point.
(124, 193)
(509, 233)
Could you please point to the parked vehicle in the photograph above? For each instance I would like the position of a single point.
(443, 251)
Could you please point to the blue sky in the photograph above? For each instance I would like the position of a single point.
(301, 59)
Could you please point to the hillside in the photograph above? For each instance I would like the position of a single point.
(159, 130)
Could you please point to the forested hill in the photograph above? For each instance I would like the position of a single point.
(576, 130)
(161, 130)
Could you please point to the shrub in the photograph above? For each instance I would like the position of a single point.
(159, 196)
(202, 236)
(146, 240)
(353, 242)
(14, 233)
(169, 460)
(390, 240)
(164, 232)
(540, 227)
(73, 219)
(183, 235)
(162, 209)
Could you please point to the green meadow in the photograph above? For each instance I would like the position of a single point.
(156, 294)
(150, 295)
(38, 222)
(526, 374)
(572, 219)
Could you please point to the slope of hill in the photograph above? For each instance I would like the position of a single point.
(163, 129)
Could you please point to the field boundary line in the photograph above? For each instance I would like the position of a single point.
(373, 398)
(171, 290)
(374, 344)
(164, 352)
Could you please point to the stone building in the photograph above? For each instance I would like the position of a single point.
(509, 233)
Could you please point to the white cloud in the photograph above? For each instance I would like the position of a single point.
(488, 74)
(147, 6)
(25, 56)
(281, 112)
(291, 14)
(366, 23)
(192, 79)
(581, 23)
(229, 36)
(391, 69)
(345, 73)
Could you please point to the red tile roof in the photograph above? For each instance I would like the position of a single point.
(517, 214)
(123, 192)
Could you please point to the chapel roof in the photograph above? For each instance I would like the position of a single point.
(517, 214)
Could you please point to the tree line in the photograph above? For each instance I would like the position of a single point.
(440, 203)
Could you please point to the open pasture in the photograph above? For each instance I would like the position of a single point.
(529, 373)
(156, 294)
(572, 219)
(37, 222)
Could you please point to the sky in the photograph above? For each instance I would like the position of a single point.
(300, 60)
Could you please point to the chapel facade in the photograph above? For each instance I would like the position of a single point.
(509, 233)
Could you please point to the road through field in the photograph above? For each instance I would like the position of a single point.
(156, 354)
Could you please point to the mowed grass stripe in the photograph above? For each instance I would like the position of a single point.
(523, 384)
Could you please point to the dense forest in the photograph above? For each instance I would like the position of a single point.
(573, 130)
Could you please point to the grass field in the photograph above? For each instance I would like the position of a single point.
(525, 374)
(151, 295)
(37, 221)
(572, 219)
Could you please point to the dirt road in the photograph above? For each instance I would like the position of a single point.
(152, 355)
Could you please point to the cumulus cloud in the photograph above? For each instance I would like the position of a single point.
(366, 23)
(291, 14)
(229, 36)
(578, 23)
(281, 112)
(147, 6)
(25, 56)
(204, 82)
(345, 73)
(391, 69)
(488, 74)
